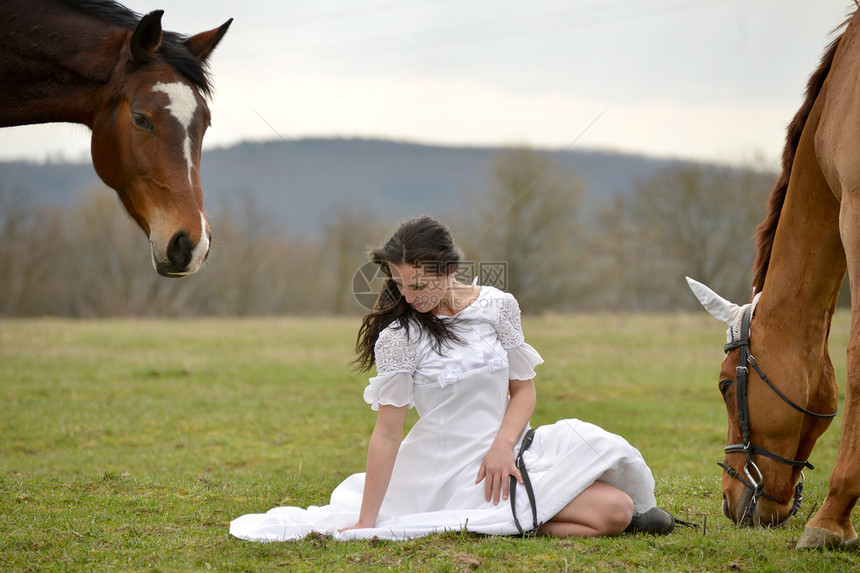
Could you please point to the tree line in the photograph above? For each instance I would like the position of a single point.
(534, 231)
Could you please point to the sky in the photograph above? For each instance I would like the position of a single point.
(713, 80)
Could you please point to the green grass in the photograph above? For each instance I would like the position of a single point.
(130, 445)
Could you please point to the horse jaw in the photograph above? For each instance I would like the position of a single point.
(717, 306)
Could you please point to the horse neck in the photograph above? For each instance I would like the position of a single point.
(54, 61)
(807, 264)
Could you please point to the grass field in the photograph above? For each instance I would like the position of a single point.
(130, 445)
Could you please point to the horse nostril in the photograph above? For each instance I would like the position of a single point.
(179, 249)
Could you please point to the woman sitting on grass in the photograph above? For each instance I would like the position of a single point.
(457, 354)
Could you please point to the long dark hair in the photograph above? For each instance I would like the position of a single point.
(421, 241)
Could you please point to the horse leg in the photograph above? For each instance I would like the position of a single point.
(832, 526)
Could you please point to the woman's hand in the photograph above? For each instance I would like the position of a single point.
(496, 469)
(359, 525)
(498, 464)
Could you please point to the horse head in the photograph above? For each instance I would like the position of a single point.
(148, 129)
(769, 436)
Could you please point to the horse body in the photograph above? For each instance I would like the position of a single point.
(809, 240)
(837, 143)
(140, 90)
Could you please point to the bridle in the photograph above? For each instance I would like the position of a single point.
(754, 478)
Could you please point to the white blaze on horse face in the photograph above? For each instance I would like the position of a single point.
(182, 106)
(717, 306)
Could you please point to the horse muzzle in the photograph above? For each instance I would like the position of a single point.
(745, 509)
(181, 257)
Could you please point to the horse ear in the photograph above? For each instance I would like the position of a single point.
(146, 38)
(202, 44)
(717, 306)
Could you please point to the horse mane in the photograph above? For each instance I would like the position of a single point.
(172, 47)
(766, 230)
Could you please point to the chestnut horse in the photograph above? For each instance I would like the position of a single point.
(777, 379)
(140, 90)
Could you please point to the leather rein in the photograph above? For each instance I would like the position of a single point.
(754, 479)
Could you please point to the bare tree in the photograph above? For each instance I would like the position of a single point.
(528, 220)
(255, 269)
(695, 220)
(105, 269)
(348, 235)
(28, 248)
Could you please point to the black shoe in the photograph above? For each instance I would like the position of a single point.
(655, 521)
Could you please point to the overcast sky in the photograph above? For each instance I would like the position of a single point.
(705, 79)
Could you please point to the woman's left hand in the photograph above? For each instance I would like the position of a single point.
(496, 469)
(359, 525)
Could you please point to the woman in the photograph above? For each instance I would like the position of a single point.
(457, 354)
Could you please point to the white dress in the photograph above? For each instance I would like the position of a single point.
(461, 396)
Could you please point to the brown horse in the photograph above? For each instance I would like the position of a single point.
(777, 379)
(142, 93)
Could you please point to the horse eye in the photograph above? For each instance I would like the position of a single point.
(142, 121)
(724, 385)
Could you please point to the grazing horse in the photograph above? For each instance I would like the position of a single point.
(777, 379)
(142, 93)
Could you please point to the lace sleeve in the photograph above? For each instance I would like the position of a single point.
(396, 361)
(509, 328)
(394, 352)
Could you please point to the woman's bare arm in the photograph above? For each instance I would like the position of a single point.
(381, 453)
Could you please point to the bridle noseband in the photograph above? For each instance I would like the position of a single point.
(754, 478)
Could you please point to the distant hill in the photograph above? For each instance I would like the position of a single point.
(298, 182)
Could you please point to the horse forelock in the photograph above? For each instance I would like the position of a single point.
(766, 230)
(183, 63)
(172, 49)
